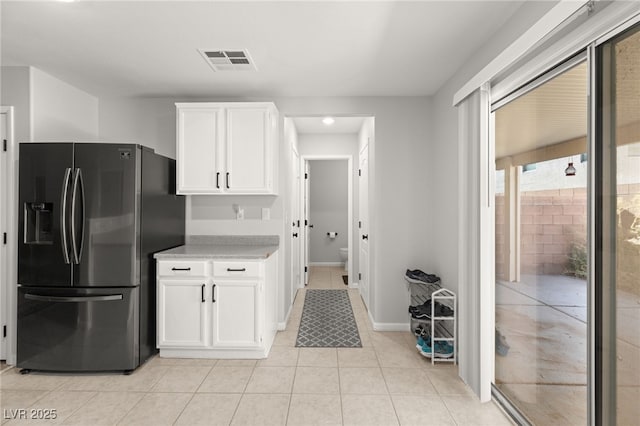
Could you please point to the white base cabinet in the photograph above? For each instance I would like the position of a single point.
(183, 322)
(209, 308)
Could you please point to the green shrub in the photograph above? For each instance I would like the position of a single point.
(577, 265)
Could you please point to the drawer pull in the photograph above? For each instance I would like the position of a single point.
(180, 269)
(236, 270)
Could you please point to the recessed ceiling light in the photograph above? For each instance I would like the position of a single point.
(328, 121)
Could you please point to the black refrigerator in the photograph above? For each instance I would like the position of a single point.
(91, 216)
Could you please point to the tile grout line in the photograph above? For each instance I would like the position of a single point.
(193, 394)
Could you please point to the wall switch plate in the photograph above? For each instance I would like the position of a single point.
(266, 213)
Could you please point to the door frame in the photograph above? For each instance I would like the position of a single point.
(8, 223)
(296, 243)
(363, 199)
(304, 161)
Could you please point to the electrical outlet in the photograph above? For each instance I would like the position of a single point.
(240, 213)
(266, 213)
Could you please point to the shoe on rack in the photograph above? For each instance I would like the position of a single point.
(443, 350)
(442, 310)
(421, 315)
(418, 276)
(418, 331)
(426, 304)
(425, 350)
(421, 311)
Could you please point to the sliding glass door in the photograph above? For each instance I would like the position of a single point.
(567, 242)
(541, 259)
(618, 229)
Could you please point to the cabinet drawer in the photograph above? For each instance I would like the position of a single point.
(236, 269)
(183, 268)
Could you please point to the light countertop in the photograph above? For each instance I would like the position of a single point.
(223, 247)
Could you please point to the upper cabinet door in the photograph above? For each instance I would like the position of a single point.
(226, 147)
(249, 156)
(200, 136)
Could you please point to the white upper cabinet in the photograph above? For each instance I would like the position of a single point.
(200, 136)
(226, 148)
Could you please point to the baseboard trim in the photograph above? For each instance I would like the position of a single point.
(391, 326)
(326, 264)
(353, 285)
(283, 325)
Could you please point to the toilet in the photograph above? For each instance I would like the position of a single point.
(344, 257)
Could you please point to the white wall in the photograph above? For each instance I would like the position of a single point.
(400, 215)
(61, 112)
(328, 209)
(338, 144)
(47, 109)
(15, 91)
(147, 122)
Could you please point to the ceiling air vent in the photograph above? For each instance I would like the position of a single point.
(228, 60)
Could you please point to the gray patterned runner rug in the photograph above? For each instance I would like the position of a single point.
(327, 321)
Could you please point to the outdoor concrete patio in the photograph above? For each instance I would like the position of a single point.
(544, 321)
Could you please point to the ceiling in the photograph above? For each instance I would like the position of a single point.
(341, 125)
(300, 48)
(553, 112)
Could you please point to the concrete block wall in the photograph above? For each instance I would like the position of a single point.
(551, 222)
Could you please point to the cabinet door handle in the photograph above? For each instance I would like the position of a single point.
(218, 180)
(236, 270)
(228, 181)
(180, 269)
(202, 293)
(213, 294)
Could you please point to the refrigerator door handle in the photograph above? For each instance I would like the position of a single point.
(63, 215)
(73, 299)
(77, 179)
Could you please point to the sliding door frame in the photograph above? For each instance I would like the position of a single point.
(601, 409)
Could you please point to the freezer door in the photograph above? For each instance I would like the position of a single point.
(44, 187)
(105, 218)
(78, 329)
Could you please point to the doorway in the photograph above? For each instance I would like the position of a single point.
(328, 197)
(317, 139)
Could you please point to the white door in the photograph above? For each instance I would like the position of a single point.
(363, 224)
(3, 228)
(296, 234)
(236, 313)
(200, 132)
(183, 307)
(307, 222)
(248, 154)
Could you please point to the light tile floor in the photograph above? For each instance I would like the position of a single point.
(327, 277)
(386, 382)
